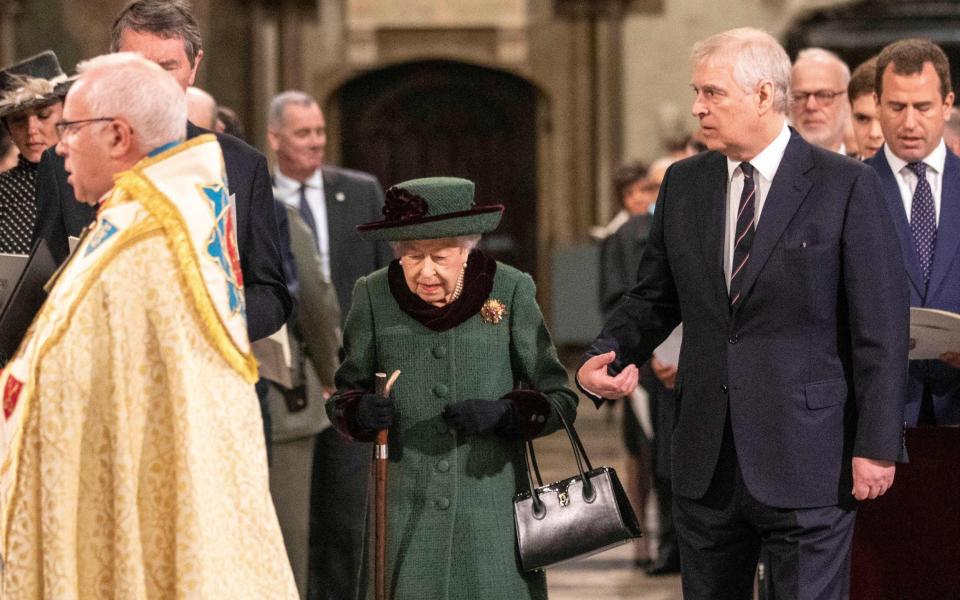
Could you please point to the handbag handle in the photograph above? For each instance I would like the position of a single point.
(579, 453)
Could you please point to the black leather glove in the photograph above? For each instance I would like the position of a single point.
(474, 417)
(374, 413)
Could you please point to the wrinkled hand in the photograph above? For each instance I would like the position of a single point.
(951, 358)
(666, 373)
(871, 478)
(474, 417)
(593, 376)
(374, 413)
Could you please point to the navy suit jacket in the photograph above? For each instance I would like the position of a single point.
(811, 365)
(60, 215)
(943, 291)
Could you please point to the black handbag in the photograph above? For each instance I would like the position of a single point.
(573, 518)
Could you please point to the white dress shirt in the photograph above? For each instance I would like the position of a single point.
(907, 179)
(288, 191)
(765, 167)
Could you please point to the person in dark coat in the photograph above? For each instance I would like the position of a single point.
(784, 266)
(479, 374)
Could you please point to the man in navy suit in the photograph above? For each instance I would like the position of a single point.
(784, 267)
(165, 32)
(920, 179)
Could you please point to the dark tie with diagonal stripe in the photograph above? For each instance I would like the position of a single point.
(923, 219)
(745, 229)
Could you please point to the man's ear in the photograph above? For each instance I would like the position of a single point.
(765, 93)
(196, 66)
(121, 139)
(273, 140)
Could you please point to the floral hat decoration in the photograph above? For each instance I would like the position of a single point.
(431, 208)
(32, 82)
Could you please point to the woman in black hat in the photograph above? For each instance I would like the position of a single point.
(478, 375)
(31, 100)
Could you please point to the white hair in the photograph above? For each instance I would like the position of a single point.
(463, 241)
(825, 56)
(131, 87)
(756, 57)
(280, 102)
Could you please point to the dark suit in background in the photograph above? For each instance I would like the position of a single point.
(932, 377)
(268, 303)
(778, 394)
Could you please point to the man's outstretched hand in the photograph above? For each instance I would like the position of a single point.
(593, 377)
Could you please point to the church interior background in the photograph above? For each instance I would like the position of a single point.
(538, 101)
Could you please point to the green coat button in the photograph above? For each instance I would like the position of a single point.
(440, 390)
(443, 466)
(442, 427)
(443, 503)
(439, 352)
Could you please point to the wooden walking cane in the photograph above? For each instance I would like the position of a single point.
(383, 387)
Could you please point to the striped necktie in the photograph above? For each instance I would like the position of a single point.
(745, 230)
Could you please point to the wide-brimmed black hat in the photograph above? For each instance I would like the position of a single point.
(432, 208)
(32, 82)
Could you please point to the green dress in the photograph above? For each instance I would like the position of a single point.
(450, 498)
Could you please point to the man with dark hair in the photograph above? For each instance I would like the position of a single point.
(921, 185)
(165, 32)
(863, 104)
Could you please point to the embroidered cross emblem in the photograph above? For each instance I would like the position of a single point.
(222, 245)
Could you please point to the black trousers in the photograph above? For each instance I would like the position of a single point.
(338, 508)
(722, 535)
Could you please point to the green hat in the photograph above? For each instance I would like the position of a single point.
(32, 82)
(431, 208)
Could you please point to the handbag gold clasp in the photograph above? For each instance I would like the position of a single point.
(564, 498)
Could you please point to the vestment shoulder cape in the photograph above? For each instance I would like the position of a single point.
(133, 453)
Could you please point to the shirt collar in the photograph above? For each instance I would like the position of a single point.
(936, 160)
(768, 161)
(288, 184)
(163, 148)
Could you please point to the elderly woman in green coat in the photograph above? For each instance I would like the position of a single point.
(479, 375)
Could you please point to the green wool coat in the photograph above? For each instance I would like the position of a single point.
(450, 498)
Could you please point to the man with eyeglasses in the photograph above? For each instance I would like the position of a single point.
(131, 440)
(818, 82)
(166, 33)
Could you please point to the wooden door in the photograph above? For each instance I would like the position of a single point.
(452, 119)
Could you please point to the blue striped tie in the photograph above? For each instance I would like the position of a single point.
(745, 230)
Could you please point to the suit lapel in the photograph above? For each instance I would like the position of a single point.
(948, 230)
(712, 204)
(894, 203)
(787, 192)
(338, 225)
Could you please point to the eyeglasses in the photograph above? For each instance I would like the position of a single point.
(824, 97)
(65, 127)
